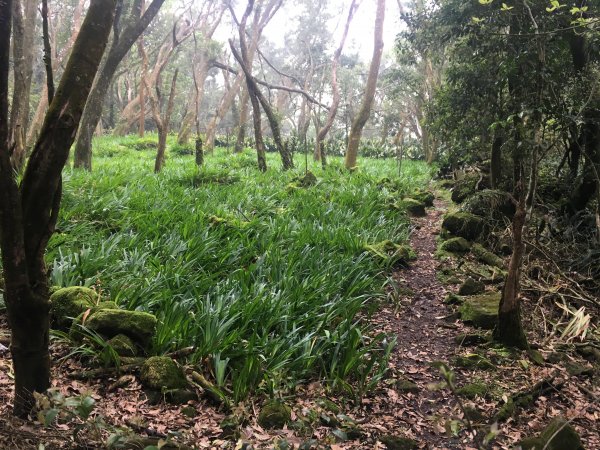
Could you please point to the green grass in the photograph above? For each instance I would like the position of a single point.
(266, 280)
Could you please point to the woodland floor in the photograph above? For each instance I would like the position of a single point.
(425, 329)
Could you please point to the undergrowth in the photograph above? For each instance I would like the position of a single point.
(270, 284)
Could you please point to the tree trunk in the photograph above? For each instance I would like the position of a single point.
(586, 188)
(509, 330)
(322, 132)
(496, 160)
(24, 21)
(365, 109)
(163, 125)
(29, 210)
(199, 152)
(122, 43)
(240, 136)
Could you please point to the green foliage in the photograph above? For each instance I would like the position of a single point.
(267, 304)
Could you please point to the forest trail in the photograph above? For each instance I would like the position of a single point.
(417, 319)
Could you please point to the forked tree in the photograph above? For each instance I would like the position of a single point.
(29, 208)
(365, 108)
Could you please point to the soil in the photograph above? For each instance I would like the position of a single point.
(428, 411)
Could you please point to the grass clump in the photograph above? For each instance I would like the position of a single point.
(269, 297)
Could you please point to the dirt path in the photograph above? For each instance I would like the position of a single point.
(423, 336)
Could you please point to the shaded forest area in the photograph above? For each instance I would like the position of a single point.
(266, 224)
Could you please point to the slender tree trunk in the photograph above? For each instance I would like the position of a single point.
(243, 118)
(365, 109)
(92, 112)
(162, 123)
(23, 33)
(322, 132)
(29, 210)
(496, 160)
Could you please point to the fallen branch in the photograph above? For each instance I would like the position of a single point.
(105, 372)
(214, 392)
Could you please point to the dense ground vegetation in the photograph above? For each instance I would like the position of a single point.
(265, 277)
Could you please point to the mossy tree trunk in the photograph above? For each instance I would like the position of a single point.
(496, 160)
(365, 109)
(29, 210)
(509, 330)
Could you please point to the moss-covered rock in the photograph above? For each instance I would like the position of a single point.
(305, 181)
(481, 311)
(453, 299)
(162, 373)
(463, 224)
(558, 435)
(473, 361)
(474, 390)
(589, 352)
(455, 245)
(67, 303)
(487, 257)
(413, 207)
(189, 411)
(490, 203)
(139, 326)
(405, 385)
(471, 287)
(394, 442)
(424, 197)
(577, 370)
(123, 345)
(464, 188)
(274, 414)
(328, 405)
(391, 254)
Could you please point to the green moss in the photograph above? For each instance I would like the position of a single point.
(474, 390)
(390, 254)
(473, 361)
(453, 299)
(481, 311)
(328, 405)
(161, 372)
(472, 338)
(463, 224)
(536, 357)
(424, 197)
(105, 305)
(393, 442)
(413, 207)
(464, 188)
(139, 326)
(471, 287)
(189, 411)
(487, 257)
(67, 303)
(490, 203)
(274, 414)
(455, 245)
(405, 385)
(560, 435)
(123, 345)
